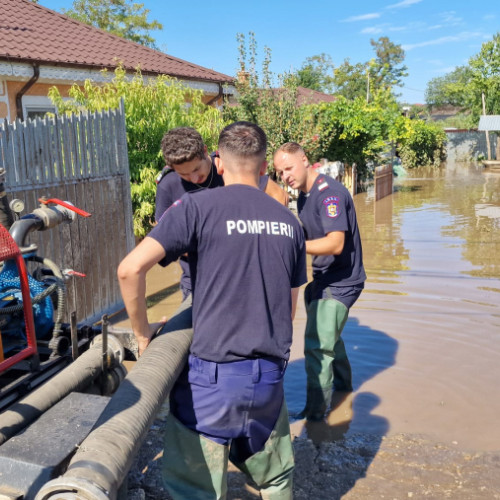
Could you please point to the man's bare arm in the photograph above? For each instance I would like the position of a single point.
(331, 244)
(276, 192)
(295, 295)
(132, 278)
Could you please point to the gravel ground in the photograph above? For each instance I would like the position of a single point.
(353, 468)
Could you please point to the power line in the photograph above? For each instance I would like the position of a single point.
(410, 88)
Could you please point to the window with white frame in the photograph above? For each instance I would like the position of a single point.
(35, 106)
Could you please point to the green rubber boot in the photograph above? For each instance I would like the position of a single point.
(325, 320)
(272, 468)
(342, 373)
(194, 467)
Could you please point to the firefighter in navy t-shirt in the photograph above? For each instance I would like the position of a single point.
(190, 168)
(247, 259)
(327, 213)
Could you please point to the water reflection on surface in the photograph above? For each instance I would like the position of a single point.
(424, 337)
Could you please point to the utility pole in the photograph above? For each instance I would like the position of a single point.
(367, 85)
(486, 131)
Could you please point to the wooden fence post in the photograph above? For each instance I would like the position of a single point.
(383, 181)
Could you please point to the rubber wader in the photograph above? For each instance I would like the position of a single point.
(195, 467)
(322, 346)
(272, 468)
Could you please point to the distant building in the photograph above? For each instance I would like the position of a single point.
(443, 112)
(304, 95)
(309, 96)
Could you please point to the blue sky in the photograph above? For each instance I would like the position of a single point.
(437, 35)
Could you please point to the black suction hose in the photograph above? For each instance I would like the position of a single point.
(76, 377)
(61, 301)
(6, 217)
(103, 459)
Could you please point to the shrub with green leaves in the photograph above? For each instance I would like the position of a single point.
(423, 144)
(152, 106)
(354, 131)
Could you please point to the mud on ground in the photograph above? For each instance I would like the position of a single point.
(355, 467)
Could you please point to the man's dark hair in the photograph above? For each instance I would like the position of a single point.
(243, 139)
(182, 144)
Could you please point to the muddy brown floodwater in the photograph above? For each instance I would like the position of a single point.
(424, 337)
(424, 344)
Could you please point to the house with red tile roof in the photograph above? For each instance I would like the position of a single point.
(309, 96)
(40, 48)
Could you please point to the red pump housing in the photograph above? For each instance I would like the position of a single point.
(9, 250)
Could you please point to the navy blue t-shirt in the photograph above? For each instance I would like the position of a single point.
(329, 207)
(171, 188)
(246, 252)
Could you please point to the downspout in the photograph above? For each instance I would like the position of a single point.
(27, 86)
(218, 96)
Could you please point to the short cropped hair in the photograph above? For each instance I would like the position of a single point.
(291, 148)
(182, 144)
(243, 139)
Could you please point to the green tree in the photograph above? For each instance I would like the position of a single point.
(350, 79)
(383, 72)
(151, 108)
(259, 101)
(485, 68)
(316, 73)
(349, 130)
(465, 85)
(485, 76)
(354, 131)
(450, 89)
(124, 18)
(388, 69)
(422, 144)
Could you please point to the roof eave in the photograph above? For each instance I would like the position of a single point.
(94, 67)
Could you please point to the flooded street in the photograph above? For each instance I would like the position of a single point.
(424, 344)
(424, 337)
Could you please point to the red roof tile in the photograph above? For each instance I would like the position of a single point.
(309, 96)
(32, 33)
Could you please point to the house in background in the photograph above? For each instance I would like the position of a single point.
(40, 48)
(309, 96)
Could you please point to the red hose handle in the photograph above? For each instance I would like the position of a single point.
(79, 211)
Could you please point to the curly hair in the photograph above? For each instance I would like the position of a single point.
(182, 144)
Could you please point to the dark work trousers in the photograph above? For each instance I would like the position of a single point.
(236, 403)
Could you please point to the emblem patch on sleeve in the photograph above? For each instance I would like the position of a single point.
(332, 206)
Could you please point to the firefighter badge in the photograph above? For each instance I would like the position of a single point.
(331, 205)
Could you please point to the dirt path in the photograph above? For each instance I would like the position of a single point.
(357, 467)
